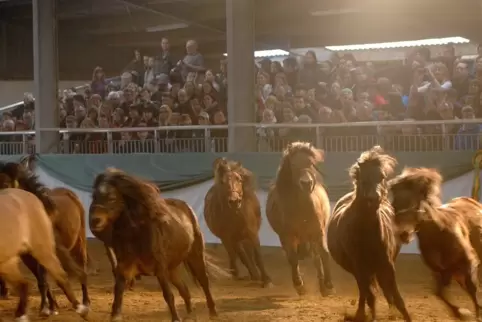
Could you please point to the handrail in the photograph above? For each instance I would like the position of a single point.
(15, 105)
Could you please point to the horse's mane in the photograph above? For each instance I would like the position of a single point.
(284, 175)
(378, 158)
(425, 181)
(142, 203)
(30, 182)
(221, 166)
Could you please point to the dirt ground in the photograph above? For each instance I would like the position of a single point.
(244, 301)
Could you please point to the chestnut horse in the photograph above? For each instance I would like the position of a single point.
(233, 214)
(298, 209)
(149, 236)
(360, 232)
(443, 230)
(68, 218)
(27, 234)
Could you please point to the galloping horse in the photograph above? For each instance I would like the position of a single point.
(360, 233)
(298, 209)
(149, 236)
(233, 214)
(68, 218)
(27, 234)
(444, 232)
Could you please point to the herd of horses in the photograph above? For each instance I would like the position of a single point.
(146, 234)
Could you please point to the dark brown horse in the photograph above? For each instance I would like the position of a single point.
(443, 231)
(67, 214)
(233, 214)
(149, 236)
(298, 209)
(361, 238)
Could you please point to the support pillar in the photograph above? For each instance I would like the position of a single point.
(241, 97)
(3, 50)
(45, 75)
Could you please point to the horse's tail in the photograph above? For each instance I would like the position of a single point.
(304, 250)
(68, 263)
(82, 238)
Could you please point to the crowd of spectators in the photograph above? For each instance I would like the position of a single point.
(165, 91)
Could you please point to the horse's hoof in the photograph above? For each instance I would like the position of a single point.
(45, 312)
(23, 318)
(301, 290)
(328, 291)
(464, 314)
(116, 318)
(268, 284)
(83, 311)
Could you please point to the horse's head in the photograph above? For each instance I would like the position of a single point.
(369, 174)
(229, 178)
(116, 193)
(298, 166)
(11, 174)
(411, 191)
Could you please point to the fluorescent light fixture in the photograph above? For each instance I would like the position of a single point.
(333, 12)
(173, 26)
(397, 44)
(268, 53)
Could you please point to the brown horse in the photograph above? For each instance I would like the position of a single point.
(27, 232)
(68, 218)
(298, 209)
(361, 238)
(149, 236)
(443, 231)
(233, 214)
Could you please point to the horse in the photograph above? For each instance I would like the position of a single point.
(443, 231)
(27, 234)
(361, 228)
(298, 209)
(233, 214)
(150, 237)
(68, 218)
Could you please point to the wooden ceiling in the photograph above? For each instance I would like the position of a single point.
(279, 23)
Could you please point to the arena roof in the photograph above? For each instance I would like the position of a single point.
(280, 24)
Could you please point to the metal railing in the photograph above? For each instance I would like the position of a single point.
(341, 137)
(13, 106)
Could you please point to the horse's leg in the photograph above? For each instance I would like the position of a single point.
(320, 273)
(290, 247)
(388, 283)
(197, 265)
(167, 294)
(46, 257)
(363, 283)
(442, 282)
(246, 255)
(182, 288)
(112, 259)
(329, 289)
(10, 271)
(79, 252)
(256, 245)
(3, 289)
(45, 293)
(231, 250)
(469, 282)
(123, 274)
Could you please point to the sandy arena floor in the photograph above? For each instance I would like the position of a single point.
(244, 301)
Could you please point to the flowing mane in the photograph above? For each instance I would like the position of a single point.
(377, 157)
(423, 180)
(222, 165)
(29, 181)
(284, 175)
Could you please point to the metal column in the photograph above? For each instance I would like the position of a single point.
(45, 74)
(241, 98)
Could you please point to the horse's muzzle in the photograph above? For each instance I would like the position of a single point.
(97, 224)
(235, 203)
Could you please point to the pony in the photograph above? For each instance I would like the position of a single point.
(150, 237)
(233, 214)
(67, 214)
(360, 232)
(444, 232)
(298, 209)
(27, 234)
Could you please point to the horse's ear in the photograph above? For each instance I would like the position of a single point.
(28, 162)
(319, 155)
(377, 149)
(218, 161)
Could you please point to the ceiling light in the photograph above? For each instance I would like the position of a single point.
(397, 44)
(268, 53)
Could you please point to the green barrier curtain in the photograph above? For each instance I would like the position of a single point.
(175, 171)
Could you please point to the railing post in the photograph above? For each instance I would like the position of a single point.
(156, 142)
(318, 139)
(110, 144)
(207, 140)
(66, 143)
(25, 143)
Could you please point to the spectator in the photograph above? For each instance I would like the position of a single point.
(98, 84)
(137, 66)
(193, 62)
(163, 63)
(149, 73)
